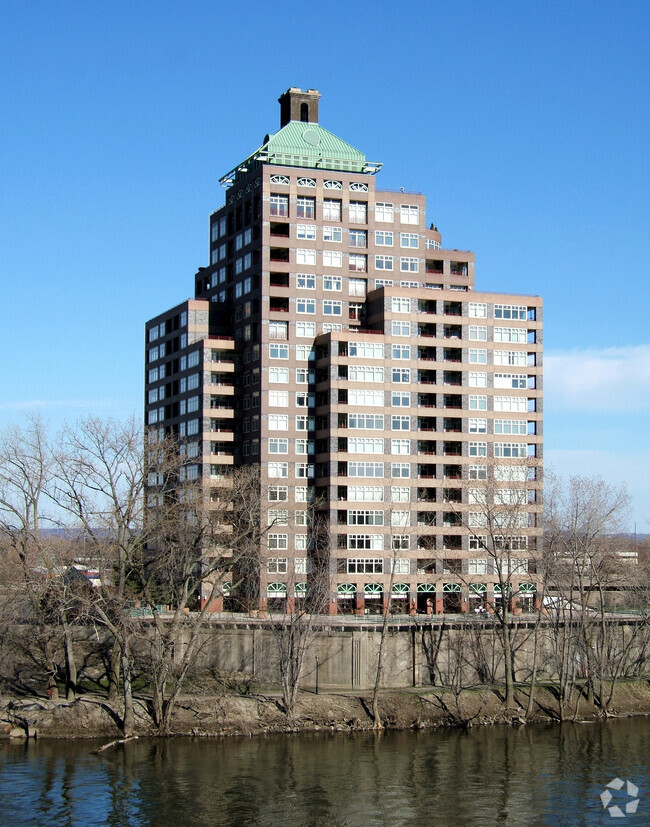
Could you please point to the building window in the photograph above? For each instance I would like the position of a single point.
(305, 256)
(400, 352)
(306, 231)
(278, 493)
(409, 214)
(383, 283)
(358, 238)
(400, 423)
(400, 470)
(371, 422)
(275, 179)
(279, 399)
(278, 374)
(278, 330)
(383, 262)
(304, 446)
(279, 206)
(399, 304)
(384, 238)
(365, 493)
(278, 446)
(478, 333)
(334, 283)
(306, 305)
(517, 427)
(400, 399)
(358, 212)
(400, 446)
(511, 404)
(357, 287)
(278, 516)
(334, 234)
(304, 422)
(478, 472)
(384, 212)
(477, 402)
(305, 399)
(510, 380)
(364, 565)
(478, 310)
(304, 470)
(409, 240)
(478, 449)
(515, 335)
(332, 258)
(365, 373)
(365, 445)
(400, 494)
(401, 328)
(305, 208)
(365, 398)
(278, 422)
(278, 469)
(331, 209)
(357, 263)
(477, 380)
(304, 375)
(510, 311)
(408, 264)
(279, 351)
(305, 182)
(478, 426)
(306, 329)
(477, 356)
(365, 469)
(512, 358)
(400, 375)
(510, 449)
(277, 565)
(305, 282)
(357, 517)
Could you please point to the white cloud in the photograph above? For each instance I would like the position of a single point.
(610, 379)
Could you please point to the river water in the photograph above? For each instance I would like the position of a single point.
(533, 775)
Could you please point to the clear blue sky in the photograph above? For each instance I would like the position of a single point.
(525, 123)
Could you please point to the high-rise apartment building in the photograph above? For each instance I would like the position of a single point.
(336, 345)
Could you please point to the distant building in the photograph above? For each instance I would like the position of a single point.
(336, 343)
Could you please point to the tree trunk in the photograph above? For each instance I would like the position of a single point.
(127, 722)
(70, 663)
(508, 664)
(114, 673)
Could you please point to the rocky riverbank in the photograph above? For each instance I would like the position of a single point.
(90, 716)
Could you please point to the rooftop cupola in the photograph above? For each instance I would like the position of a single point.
(296, 105)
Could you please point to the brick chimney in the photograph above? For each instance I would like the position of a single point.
(296, 105)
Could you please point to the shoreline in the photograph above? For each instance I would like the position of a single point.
(231, 715)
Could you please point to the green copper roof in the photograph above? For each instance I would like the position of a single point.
(308, 145)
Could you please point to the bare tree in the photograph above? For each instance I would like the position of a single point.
(500, 516)
(583, 523)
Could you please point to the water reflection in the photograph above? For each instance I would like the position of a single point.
(533, 775)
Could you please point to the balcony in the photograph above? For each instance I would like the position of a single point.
(427, 377)
(452, 472)
(279, 304)
(452, 377)
(426, 471)
(426, 495)
(451, 520)
(452, 495)
(279, 254)
(427, 354)
(452, 425)
(452, 401)
(434, 266)
(453, 309)
(280, 228)
(427, 306)
(458, 268)
(426, 446)
(279, 279)
(427, 400)
(426, 519)
(452, 449)
(427, 330)
(452, 354)
(426, 423)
